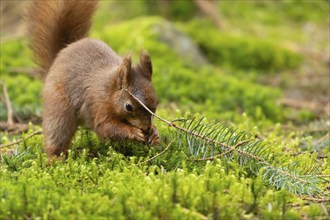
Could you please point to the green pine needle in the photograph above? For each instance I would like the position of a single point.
(206, 141)
(213, 140)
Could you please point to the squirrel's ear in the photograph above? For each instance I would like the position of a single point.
(124, 72)
(145, 64)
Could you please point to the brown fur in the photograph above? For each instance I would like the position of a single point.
(85, 81)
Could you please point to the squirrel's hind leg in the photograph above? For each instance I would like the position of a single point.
(59, 125)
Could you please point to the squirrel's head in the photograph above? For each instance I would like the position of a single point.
(137, 80)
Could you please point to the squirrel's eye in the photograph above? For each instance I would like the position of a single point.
(129, 107)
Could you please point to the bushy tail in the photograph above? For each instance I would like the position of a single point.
(52, 25)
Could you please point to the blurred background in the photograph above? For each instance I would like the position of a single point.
(264, 60)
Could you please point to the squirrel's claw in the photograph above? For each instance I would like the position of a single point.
(153, 137)
(137, 134)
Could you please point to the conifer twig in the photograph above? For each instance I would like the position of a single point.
(37, 132)
(277, 176)
(224, 153)
(259, 159)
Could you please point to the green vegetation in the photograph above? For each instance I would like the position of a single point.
(120, 181)
(97, 181)
(24, 91)
(246, 52)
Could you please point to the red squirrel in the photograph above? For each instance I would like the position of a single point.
(85, 81)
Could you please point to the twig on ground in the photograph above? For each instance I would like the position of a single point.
(10, 111)
(15, 129)
(324, 137)
(37, 132)
(319, 156)
(316, 199)
(30, 72)
(166, 148)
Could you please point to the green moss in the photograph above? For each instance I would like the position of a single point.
(275, 12)
(110, 185)
(242, 51)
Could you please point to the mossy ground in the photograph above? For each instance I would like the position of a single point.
(107, 180)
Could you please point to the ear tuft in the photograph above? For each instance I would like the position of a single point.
(124, 72)
(127, 60)
(145, 64)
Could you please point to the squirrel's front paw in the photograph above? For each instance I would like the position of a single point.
(136, 134)
(153, 137)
